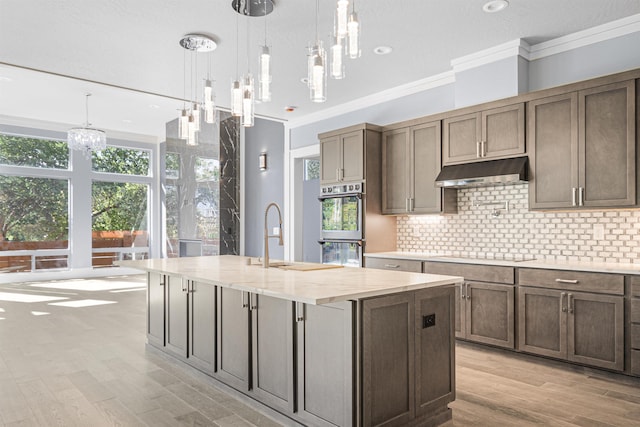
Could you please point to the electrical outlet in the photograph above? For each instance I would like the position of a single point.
(428, 321)
(598, 232)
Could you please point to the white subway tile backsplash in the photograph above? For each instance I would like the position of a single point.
(549, 235)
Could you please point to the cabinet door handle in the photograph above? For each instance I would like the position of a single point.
(191, 287)
(562, 306)
(483, 148)
(411, 204)
(462, 295)
(337, 174)
(580, 196)
(478, 155)
(572, 282)
(406, 204)
(392, 266)
(570, 299)
(253, 305)
(243, 299)
(162, 282)
(573, 196)
(184, 288)
(468, 292)
(299, 312)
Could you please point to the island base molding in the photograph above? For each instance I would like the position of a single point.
(380, 361)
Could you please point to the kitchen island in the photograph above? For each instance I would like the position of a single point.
(322, 346)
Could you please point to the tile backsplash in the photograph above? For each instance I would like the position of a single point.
(597, 236)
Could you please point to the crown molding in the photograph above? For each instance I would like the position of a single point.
(411, 88)
(517, 47)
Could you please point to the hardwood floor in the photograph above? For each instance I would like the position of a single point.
(84, 363)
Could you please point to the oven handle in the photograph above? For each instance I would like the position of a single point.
(339, 195)
(359, 242)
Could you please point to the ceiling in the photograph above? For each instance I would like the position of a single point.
(126, 44)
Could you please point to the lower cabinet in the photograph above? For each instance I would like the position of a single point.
(407, 368)
(325, 350)
(577, 326)
(155, 308)
(485, 313)
(255, 342)
(634, 321)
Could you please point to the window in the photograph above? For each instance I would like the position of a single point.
(207, 173)
(311, 169)
(122, 161)
(33, 152)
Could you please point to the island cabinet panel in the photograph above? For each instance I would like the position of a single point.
(325, 352)
(202, 326)
(634, 323)
(272, 326)
(408, 358)
(233, 338)
(176, 317)
(155, 308)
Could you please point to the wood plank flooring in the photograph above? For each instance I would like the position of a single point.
(88, 366)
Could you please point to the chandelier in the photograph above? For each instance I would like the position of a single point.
(86, 139)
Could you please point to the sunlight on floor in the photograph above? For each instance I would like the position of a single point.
(16, 297)
(39, 313)
(83, 303)
(88, 285)
(128, 290)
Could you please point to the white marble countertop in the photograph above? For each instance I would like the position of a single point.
(521, 262)
(311, 287)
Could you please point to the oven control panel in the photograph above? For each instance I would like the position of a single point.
(346, 188)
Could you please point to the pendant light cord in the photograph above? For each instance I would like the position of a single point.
(86, 110)
(317, 19)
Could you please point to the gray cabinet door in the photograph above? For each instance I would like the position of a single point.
(596, 330)
(461, 137)
(325, 364)
(552, 135)
(352, 156)
(272, 352)
(435, 363)
(155, 309)
(395, 171)
(503, 131)
(607, 144)
(329, 160)
(202, 326)
(388, 357)
(542, 322)
(176, 317)
(460, 311)
(489, 314)
(233, 338)
(424, 166)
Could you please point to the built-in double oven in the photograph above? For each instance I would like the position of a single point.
(342, 235)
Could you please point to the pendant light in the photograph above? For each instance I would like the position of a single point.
(248, 89)
(264, 82)
(317, 70)
(236, 88)
(183, 120)
(337, 64)
(208, 99)
(342, 13)
(353, 34)
(86, 139)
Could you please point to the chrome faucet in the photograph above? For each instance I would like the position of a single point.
(265, 258)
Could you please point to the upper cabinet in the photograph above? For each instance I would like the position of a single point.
(484, 135)
(343, 153)
(410, 164)
(582, 148)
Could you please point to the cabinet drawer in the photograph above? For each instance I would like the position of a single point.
(635, 362)
(476, 272)
(635, 310)
(572, 280)
(635, 337)
(635, 286)
(411, 265)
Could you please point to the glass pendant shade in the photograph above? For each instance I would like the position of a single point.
(192, 137)
(248, 101)
(236, 99)
(195, 113)
(318, 74)
(86, 139)
(353, 36)
(341, 18)
(209, 105)
(337, 64)
(183, 124)
(264, 87)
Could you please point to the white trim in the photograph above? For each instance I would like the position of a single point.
(600, 33)
(291, 185)
(410, 88)
(516, 47)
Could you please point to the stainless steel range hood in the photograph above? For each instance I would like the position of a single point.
(483, 174)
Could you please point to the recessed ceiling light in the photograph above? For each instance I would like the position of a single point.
(382, 50)
(290, 108)
(495, 6)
